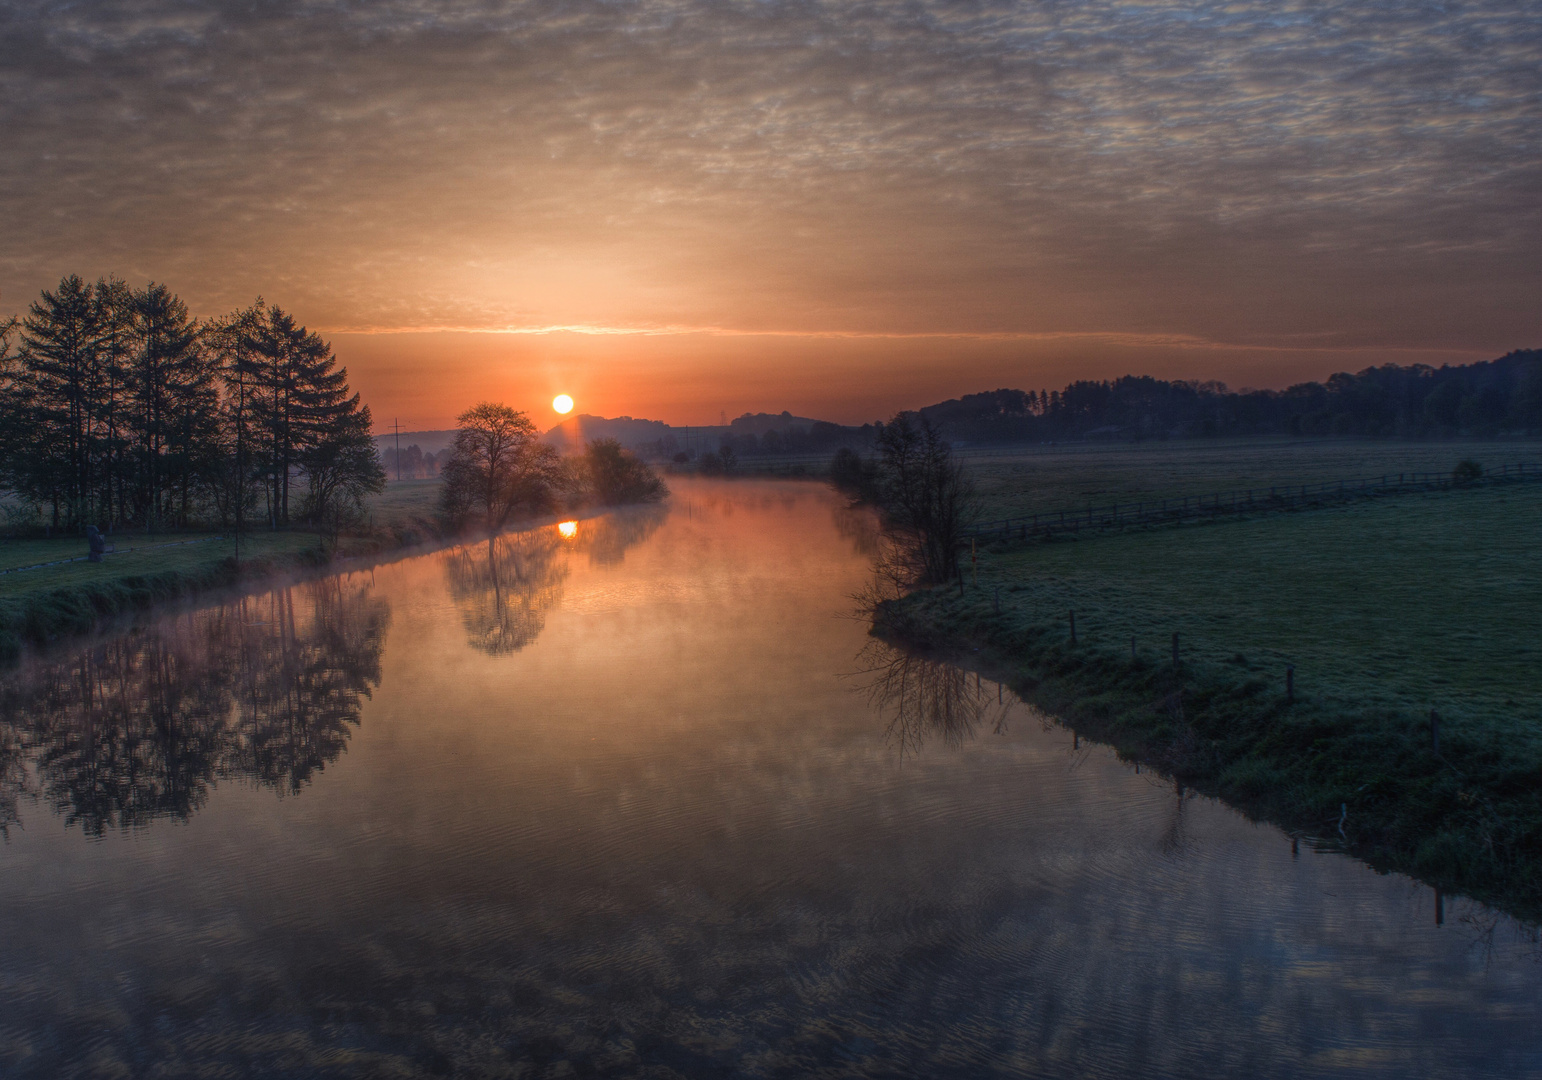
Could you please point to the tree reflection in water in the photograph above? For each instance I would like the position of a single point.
(505, 587)
(267, 688)
(607, 538)
(921, 699)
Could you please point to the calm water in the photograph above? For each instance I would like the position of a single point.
(641, 801)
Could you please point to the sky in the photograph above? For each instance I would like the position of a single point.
(682, 209)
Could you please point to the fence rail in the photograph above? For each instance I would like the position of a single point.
(1241, 501)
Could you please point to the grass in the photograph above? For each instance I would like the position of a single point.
(1387, 609)
(1045, 478)
(40, 604)
(407, 505)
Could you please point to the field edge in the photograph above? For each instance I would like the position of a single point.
(1363, 779)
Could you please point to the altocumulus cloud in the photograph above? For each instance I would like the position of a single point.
(1260, 171)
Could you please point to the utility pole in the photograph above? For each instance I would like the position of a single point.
(397, 426)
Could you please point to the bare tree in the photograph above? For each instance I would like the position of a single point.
(928, 502)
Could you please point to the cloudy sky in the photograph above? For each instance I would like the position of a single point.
(676, 208)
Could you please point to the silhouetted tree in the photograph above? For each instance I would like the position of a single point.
(497, 465)
(926, 498)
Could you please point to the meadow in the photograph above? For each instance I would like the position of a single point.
(1028, 480)
(1387, 609)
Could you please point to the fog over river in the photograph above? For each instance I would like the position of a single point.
(640, 797)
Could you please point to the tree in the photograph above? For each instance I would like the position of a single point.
(928, 501)
(497, 465)
(173, 398)
(341, 467)
(614, 475)
(59, 360)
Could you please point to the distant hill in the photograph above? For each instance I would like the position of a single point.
(576, 431)
(430, 442)
(749, 435)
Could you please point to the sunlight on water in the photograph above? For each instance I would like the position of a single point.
(637, 795)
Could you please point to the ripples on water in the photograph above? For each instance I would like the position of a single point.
(642, 801)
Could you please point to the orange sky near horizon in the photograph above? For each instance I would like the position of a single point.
(837, 209)
(423, 380)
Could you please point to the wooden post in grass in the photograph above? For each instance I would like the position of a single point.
(1073, 626)
(1434, 731)
(1290, 684)
(1175, 650)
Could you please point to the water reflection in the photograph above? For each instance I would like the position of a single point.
(503, 588)
(607, 539)
(267, 688)
(919, 699)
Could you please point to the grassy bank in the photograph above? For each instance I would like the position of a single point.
(42, 603)
(1387, 610)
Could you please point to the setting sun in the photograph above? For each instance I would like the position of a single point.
(568, 529)
(562, 403)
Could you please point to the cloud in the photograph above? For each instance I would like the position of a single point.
(1242, 171)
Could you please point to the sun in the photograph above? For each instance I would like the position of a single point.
(562, 403)
(568, 529)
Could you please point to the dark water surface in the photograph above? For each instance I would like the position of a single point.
(614, 803)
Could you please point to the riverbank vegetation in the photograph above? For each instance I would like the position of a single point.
(1383, 613)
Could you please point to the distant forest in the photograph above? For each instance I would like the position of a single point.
(1492, 398)
(118, 408)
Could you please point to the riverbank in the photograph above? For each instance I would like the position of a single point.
(49, 591)
(1384, 611)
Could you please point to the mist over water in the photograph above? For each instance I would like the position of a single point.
(646, 801)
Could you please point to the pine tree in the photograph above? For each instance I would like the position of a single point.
(173, 399)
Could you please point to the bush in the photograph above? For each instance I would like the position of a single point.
(617, 476)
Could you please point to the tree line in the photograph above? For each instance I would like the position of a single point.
(119, 408)
(1485, 399)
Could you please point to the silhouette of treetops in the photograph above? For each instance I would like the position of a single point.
(266, 689)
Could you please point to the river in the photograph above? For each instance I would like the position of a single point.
(638, 796)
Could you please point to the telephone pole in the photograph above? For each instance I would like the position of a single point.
(398, 428)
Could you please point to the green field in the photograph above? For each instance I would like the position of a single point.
(1387, 608)
(403, 504)
(1045, 478)
(149, 555)
(1417, 602)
